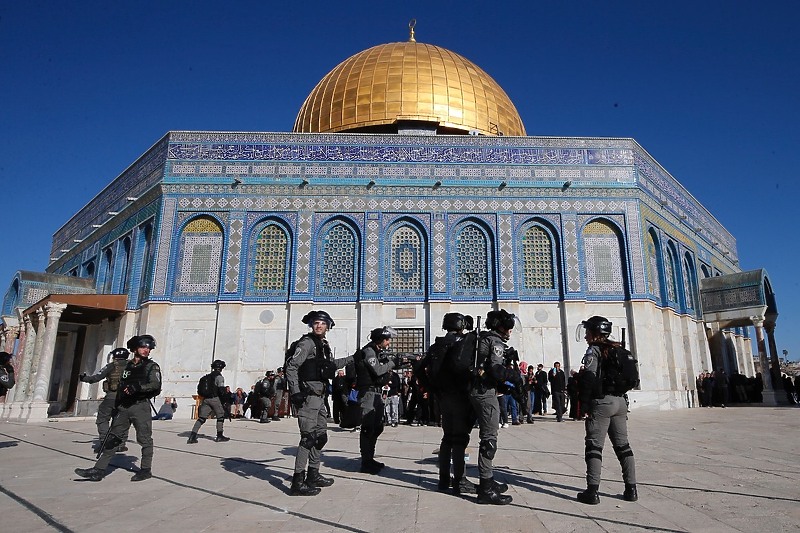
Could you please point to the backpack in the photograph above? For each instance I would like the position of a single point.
(461, 355)
(431, 370)
(621, 370)
(206, 387)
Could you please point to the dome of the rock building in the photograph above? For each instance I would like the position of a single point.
(374, 90)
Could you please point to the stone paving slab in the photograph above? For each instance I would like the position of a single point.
(705, 470)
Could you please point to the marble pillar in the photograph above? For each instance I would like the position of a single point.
(40, 404)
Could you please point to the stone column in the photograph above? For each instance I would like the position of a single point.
(27, 358)
(768, 393)
(37, 353)
(40, 403)
(775, 363)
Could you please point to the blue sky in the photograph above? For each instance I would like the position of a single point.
(709, 89)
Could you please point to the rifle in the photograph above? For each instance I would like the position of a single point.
(108, 434)
(477, 346)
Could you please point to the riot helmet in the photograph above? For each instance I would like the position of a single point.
(217, 364)
(379, 334)
(469, 323)
(119, 353)
(313, 316)
(453, 322)
(141, 341)
(500, 319)
(599, 325)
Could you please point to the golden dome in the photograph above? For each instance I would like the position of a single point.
(374, 89)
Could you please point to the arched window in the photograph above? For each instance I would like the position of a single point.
(689, 282)
(146, 242)
(108, 271)
(125, 261)
(653, 274)
(271, 252)
(705, 271)
(604, 268)
(537, 259)
(88, 270)
(201, 257)
(338, 261)
(472, 260)
(406, 268)
(670, 271)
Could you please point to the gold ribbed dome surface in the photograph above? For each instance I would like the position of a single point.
(408, 81)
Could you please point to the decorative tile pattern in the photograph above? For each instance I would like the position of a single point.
(371, 274)
(405, 271)
(271, 255)
(338, 266)
(670, 273)
(303, 263)
(165, 238)
(603, 259)
(234, 255)
(537, 256)
(571, 253)
(653, 277)
(201, 257)
(505, 240)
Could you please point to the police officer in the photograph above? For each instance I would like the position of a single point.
(607, 412)
(309, 367)
(373, 371)
(112, 373)
(491, 371)
(265, 389)
(454, 407)
(140, 381)
(213, 404)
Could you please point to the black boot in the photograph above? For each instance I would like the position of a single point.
(489, 495)
(589, 496)
(299, 486)
(92, 474)
(142, 474)
(192, 438)
(630, 494)
(464, 486)
(371, 466)
(499, 486)
(221, 438)
(314, 479)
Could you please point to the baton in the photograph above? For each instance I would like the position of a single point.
(108, 433)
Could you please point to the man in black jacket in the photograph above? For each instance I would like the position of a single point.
(558, 389)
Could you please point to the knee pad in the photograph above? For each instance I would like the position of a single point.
(488, 448)
(201, 420)
(623, 451)
(321, 440)
(593, 452)
(307, 440)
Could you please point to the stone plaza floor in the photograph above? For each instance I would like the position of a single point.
(733, 469)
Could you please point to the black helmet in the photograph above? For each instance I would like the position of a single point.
(313, 316)
(218, 364)
(468, 323)
(379, 334)
(146, 341)
(119, 353)
(500, 319)
(453, 322)
(5, 357)
(599, 324)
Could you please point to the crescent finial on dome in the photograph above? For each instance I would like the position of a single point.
(411, 26)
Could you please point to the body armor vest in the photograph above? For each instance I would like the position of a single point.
(137, 374)
(365, 377)
(313, 368)
(111, 384)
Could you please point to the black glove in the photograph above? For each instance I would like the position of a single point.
(82, 377)
(298, 399)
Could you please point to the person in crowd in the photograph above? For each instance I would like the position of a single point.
(167, 410)
(393, 400)
(340, 389)
(558, 389)
(542, 391)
